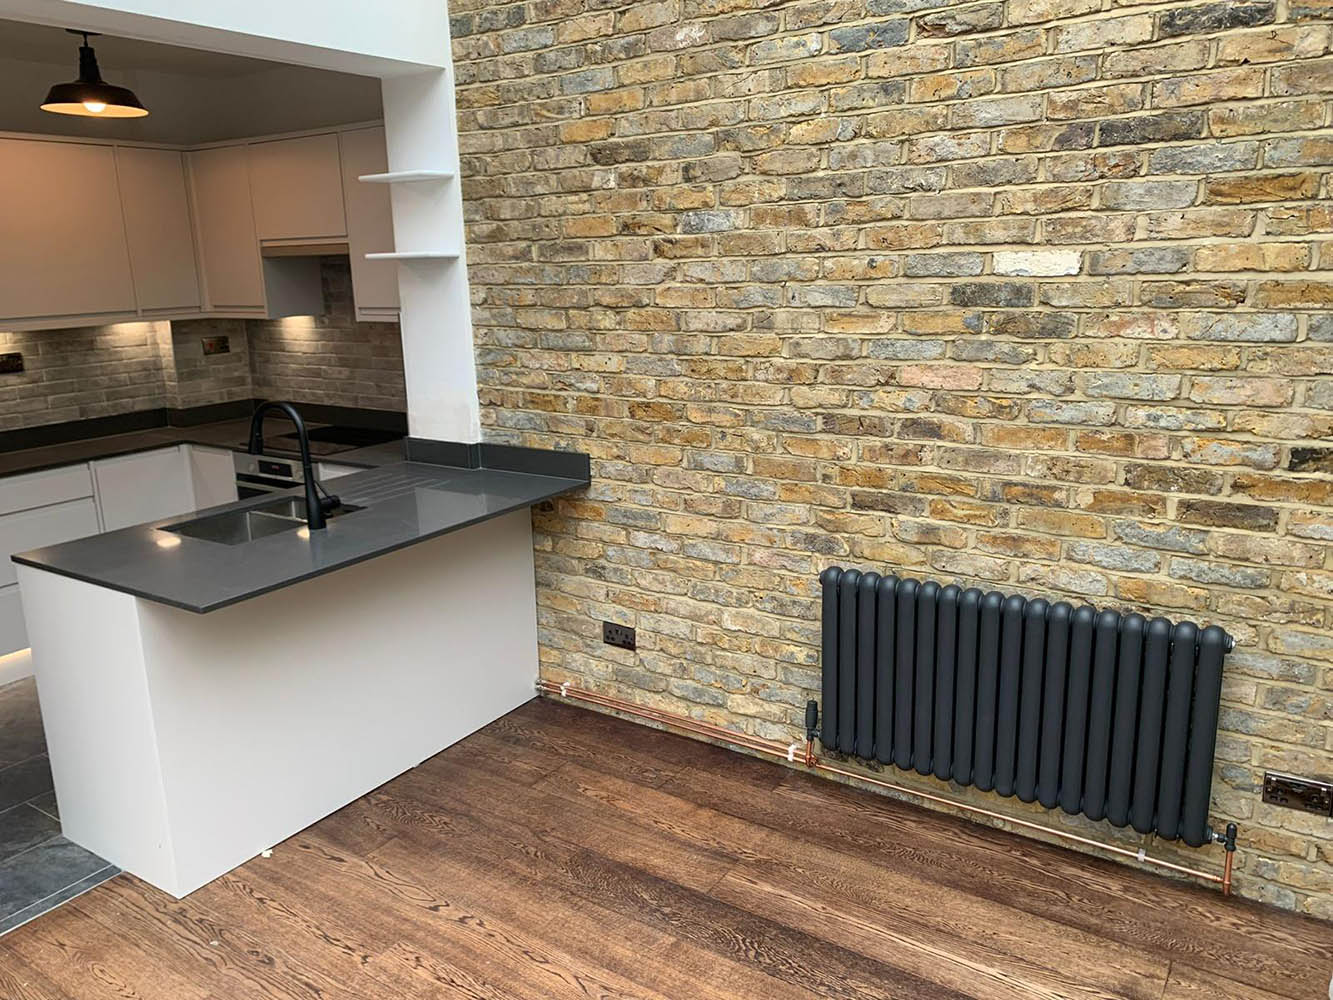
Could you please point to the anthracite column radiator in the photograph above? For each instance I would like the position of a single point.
(1109, 715)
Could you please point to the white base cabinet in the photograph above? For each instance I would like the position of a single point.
(183, 745)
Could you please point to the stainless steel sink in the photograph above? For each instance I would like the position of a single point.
(235, 527)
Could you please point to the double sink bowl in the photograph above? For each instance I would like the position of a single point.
(235, 527)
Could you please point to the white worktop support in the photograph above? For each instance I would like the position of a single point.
(184, 744)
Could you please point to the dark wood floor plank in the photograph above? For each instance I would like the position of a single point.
(585, 928)
(1085, 893)
(974, 929)
(626, 887)
(90, 962)
(533, 812)
(451, 941)
(565, 853)
(1189, 983)
(227, 957)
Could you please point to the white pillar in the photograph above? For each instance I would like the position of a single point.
(421, 132)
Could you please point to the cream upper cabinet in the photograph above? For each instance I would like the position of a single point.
(62, 239)
(228, 246)
(157, 227)
(296, 185)
(369, 222)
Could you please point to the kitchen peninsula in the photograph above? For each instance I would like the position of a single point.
(213, 683)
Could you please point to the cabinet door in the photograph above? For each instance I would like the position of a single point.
(13, 634)
(134, 489)
(228, 247)
(32, 529)
(157, 226)
(212, 476)
(41, 489)
(369, 221)
(296, 185)
(62, 239)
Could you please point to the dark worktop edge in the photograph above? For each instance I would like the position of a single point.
(559, 485)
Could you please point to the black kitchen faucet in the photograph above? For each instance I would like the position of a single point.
(314, 507)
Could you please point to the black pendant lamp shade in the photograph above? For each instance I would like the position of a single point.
(89, 95)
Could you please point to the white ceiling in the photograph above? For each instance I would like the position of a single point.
(192, 95)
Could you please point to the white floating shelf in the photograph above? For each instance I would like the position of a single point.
(407, 176)
(415, 255)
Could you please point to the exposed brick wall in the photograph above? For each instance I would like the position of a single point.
(75, 374)
(194, 379)
(330, 359)
(1031, 294)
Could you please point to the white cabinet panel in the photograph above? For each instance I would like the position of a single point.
(332, 470)
(62, 238)
(133, 489)
(212, 476)
(13, 636)
(157, 226)
(296, 186)
(228, 247)
(39, 489)
(32, 529)
(369, 221)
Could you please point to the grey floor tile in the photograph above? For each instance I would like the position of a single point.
(21, 782)
(64, 895)
(46, 802)
(21, 735)
(23, 827)
(41, 871)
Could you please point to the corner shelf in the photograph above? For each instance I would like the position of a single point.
(407, 176)
(415, 255)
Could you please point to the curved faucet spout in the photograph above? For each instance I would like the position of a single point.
(314, 510)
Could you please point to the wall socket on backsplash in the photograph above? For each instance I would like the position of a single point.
(617, 635)
(11, 364)
(216, 345)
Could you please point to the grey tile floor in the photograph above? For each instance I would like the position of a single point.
(39, 869)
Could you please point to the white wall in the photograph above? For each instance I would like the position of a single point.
(380, 38)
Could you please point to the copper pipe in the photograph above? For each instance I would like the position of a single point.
(758, 745)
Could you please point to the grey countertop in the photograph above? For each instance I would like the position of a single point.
(405, 503)
(219, 434)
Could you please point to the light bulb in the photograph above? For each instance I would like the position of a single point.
(94, 107)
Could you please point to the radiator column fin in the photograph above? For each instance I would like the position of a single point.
(1030, 698)
(1075, 756)
(1011, 675)
(828, 653)
(904, 674)
(887, 638)
(1175, 733)
(1203, 736)
(988, 691)
(926, 644)
(965, 687)
(1053, 703)
(865, 665)
(1126, 722)
(946, 681)
(1152, 712)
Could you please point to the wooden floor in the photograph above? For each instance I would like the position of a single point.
(560, 853)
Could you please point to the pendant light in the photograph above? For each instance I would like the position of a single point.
(89, 95)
